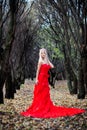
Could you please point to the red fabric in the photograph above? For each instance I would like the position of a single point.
(42, 106)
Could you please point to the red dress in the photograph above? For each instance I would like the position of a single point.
(42, 106)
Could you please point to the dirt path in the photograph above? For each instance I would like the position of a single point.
(10, 118)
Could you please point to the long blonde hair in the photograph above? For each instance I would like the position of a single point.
(46, 57)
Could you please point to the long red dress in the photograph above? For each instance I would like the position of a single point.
(42, 106)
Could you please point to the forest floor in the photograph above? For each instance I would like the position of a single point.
(10, 118)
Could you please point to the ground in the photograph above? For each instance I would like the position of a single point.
(10, 118)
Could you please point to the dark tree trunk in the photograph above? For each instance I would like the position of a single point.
(75, 84)
(0, 25)
(9, 83)
(70, 76)
(2, 81)
(84, 67)
(69, 79)
(81, 87)
(67, 68)
(2, 78)
(16, 85)
(82, 82)
(85, 72)
(9, 87)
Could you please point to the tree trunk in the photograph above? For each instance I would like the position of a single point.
(0, 23)
(84, 66)
(75, 84)
(70, 76)
(10, 37)
(2, 81)
(69, 79)
(81, 87)
(2, 78)
(9, 87)
(85, 72)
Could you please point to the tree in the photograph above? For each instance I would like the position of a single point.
(1, 78)
(5, 71)
(67, 19)
(76, 11)
(19, 39)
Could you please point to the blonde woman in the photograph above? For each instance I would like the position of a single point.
(42, 105)
(43, 59)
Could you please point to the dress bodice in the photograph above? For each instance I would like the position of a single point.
(45, 68)
(43, 73)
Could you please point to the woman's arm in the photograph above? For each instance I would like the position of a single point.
(37, 72)
(52, 66)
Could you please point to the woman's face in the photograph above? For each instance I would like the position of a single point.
(43, 54)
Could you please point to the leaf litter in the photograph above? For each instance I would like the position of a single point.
(10, 118)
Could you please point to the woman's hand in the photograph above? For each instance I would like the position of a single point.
(52, 66)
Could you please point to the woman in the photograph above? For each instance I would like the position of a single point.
(42, 106)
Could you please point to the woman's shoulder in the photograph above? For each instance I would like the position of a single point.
(40, 63)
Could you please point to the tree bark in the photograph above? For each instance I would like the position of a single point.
(2, 81)
(81, 87)
(2, 76)
(0, 23)
(75, 84)
(10, 89)
(71, 78)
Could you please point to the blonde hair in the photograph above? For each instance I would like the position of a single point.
(46, 57)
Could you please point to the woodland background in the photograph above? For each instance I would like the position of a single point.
(60, 26)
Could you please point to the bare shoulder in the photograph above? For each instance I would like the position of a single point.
(40, 63)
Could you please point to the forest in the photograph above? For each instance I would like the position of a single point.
(60, 26)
